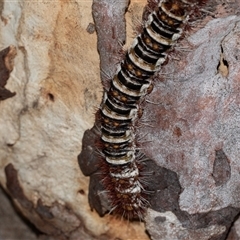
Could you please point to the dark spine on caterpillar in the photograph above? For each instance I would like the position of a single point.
(119, 111)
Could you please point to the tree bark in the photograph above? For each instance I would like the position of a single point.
(190, 126)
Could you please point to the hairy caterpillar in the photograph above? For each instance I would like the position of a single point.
(119, 111)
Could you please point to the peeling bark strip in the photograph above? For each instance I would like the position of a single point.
(17, 193)
(6, 66)
(15, 188)
(120, 159)
(46, 218)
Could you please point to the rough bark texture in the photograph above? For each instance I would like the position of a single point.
(192, 143)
